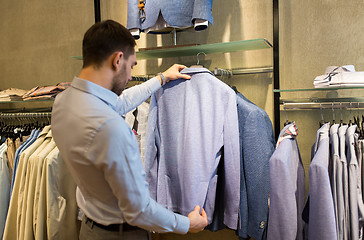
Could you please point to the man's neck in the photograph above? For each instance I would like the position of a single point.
(100, 76)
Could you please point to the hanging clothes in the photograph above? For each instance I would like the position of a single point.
(4, 187)
(162, 16)
(43, 202)
(256, 147)
(345, 183)
(137, 119)
(337, 181)
(321, 214)
(33, 136)
(353, 183)
(191, 125)
(287, 195)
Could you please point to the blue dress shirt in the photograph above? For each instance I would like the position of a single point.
(103, 157)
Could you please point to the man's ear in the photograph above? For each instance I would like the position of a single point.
(117, 60)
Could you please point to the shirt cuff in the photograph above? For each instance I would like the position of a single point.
(183, 224)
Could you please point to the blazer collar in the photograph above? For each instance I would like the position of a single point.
(196, 70)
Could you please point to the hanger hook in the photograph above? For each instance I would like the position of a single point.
(350, 111)
(198, 54)
(285, 112)
(322, 115)
(333, 112)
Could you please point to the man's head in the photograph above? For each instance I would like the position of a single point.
(108, 42)
(104, 39)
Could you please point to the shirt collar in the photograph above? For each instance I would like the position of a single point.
(102, 93)
(196, 70)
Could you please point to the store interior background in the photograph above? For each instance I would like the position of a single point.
(38, 38)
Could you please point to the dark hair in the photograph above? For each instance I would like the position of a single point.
(103, 39)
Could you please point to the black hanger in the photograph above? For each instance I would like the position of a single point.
(235, 89)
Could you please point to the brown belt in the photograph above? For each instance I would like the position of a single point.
(112, 227)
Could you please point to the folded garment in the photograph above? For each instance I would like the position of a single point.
(42, 97)
(51, 91)
(11, 98)
(12, 92)
(339, 77)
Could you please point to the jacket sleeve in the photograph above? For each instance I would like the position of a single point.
(203, 10)
(231, 164)
(133, 15)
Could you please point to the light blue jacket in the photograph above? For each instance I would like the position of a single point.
(176, 13)
(321, 223)
(287, 196)
(191, 124)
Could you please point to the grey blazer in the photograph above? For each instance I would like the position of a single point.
(176, 13)
(287, 190)
(322, 223)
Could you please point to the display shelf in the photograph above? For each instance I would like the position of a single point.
(176, 51)
(26, 106)
(179, 51)
(315, 89)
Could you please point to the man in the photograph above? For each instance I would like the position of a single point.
(100, 149)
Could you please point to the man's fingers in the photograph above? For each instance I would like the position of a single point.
(180, 67)
(185, 76)
(197, 209)
(203, 213)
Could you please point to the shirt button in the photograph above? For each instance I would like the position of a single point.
(261, 224)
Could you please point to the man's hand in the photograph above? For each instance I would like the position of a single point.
(173, 73)
(197, 222)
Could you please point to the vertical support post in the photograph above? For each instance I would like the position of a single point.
(97, 11)
(277, 95)
(174, 37)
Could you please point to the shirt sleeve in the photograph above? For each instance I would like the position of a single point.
(123, 170)
(134, 96)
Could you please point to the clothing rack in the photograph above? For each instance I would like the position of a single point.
(14, 119)
(218, 72)
(322, 105)
(25, 115)
(242, 71)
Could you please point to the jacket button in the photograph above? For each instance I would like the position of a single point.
(262, 224)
